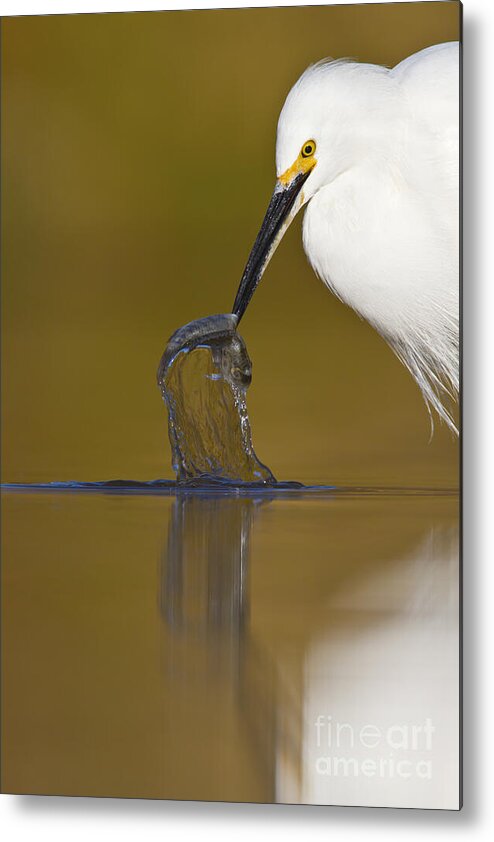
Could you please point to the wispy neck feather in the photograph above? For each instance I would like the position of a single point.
(434, 363)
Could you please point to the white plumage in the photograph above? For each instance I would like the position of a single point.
(381, 225)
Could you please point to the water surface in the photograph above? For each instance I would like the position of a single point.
(187, 646)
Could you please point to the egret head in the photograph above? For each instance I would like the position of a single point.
(328, 123)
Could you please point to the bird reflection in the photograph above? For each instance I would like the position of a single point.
(204, 564)
(388, 662)
(379, 647)
(204, 602)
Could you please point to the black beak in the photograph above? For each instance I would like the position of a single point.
(272, 229)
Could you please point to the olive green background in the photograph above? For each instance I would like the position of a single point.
(138, 158)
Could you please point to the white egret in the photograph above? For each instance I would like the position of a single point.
(374, 155)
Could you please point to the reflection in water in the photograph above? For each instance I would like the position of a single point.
(376, 718)
(382, 679)
(204, 375)
(305, 648)
(203, 592)
(205, 603)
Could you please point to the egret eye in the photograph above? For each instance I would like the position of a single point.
(308, 149)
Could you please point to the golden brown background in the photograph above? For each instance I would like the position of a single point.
(137, 162)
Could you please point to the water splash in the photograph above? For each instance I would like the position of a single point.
(204, 375)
